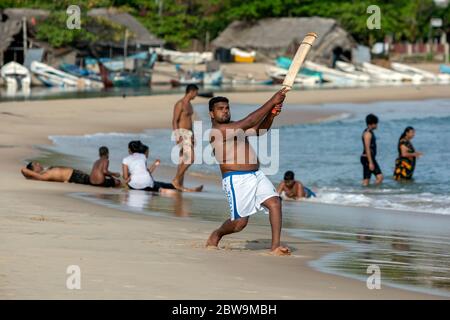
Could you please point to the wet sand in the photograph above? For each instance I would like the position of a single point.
(126, 256)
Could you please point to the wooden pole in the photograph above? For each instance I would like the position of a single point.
(206, 41)
(125, 45)
(25, 40)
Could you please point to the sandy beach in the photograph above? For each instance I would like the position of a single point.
(129, 256)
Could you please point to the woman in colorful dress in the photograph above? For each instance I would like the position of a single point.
(406, 161)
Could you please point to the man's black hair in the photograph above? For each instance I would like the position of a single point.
(289, 175)
(30, 166)
(371, 119)
(215, 100)
(135, 146)
(103, 151)
(191, 87)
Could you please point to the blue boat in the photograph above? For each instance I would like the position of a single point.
(79, 72)
(285, 63)
(113, 73)
(444, 68)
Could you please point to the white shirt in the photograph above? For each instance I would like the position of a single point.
(140, 178)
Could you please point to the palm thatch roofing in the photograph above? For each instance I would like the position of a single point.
(273, 37)
(13, 24)
(141, 36)
(19, 13)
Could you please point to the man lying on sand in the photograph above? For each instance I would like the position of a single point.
(291, 189)
(247, 188)
(100, 174)
(35, 171)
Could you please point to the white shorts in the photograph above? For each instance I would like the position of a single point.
(246, 191)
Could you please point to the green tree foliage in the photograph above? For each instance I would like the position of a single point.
(54, 30)
(180, 21)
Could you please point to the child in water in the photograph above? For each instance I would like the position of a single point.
(291, 189)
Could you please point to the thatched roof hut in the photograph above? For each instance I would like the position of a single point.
(141, 36)
(8, 30)
(274, 37)
(19, 13)
(11, 24)
(11, 32)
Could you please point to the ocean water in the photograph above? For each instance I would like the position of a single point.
(325, 156)
(404, 228)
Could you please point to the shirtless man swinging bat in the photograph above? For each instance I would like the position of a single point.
(247, 188)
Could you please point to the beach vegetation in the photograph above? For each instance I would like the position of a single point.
(184, 22)
(54, 31)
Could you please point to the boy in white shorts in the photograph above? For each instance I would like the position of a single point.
(248, 190)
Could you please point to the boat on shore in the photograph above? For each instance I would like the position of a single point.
(352, 69)
(285, 62)
(16, 76)
(178, 57)
(403, 68)
(443, 68)
(334, 76)
(243, 56)
(278, 74)
(80, 72)
(214, 78)
(207, 78)
(53, 77)
(384, 74)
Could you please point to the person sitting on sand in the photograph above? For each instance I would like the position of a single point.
(136, 173)
(100, 175)
(164, 185)
(35, 171)
(291, 189)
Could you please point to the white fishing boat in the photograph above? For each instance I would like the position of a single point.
(333, 75)
(53, 77)
(403, 68)
(213, 78)
(443, 78)
(278, 75)
(388, 75)
(16, 76)
(351, 69)
(185, 57)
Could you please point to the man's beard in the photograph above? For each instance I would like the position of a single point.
(224, 120)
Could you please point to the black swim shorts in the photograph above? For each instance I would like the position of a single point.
(156, 186)
(367, 173)
(79, 177)
(109, 182)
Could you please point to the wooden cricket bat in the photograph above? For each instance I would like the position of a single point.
(298, 60)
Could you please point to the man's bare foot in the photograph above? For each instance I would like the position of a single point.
(177, 185)
(197, 189)
(281, 251)
(213, 240)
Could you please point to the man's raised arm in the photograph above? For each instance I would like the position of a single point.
(264, 126)
(257, 116)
